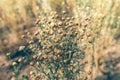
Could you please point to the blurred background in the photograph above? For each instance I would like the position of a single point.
(19, 15)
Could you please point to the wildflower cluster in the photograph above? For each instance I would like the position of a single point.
(57, 50)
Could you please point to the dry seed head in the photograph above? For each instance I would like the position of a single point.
(104, 69)
(81, 37)
(89, 72)
(28, 33)
(49, 22)
(84, 29)
(57, 52)
(25, 31)
(37, 21)
(33, 49)
(53, 17)
(90, 39)
(54, 25)
(31, 72)
(43, 66)
(60, 23)
(85, 25)
(74, 55)
(37, 63)
(61, 71)
(97, 32)
(30, 42)
(14, 63)
(21, 48)
(55, 40)
(13, 78)
(45, 20)
(55, 58)
(45, 36)
(58, 56)
(45, 56)
(58, 75)
(88, 34)
(39, 76)
(34, 56)
(67, 23)
(63, 19)
(64, 12)
(68, 18)
(70, 25)
(23, 36)
(8, 54)
(51, 33)
(36, 33)
(63, 34)
(30, 46)
(23, 58)
(20, 60)
(70, 21)
(57, 16)
(72, 18)
(5, 41)
(32, 63)
(60, 31)
(76, 24)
